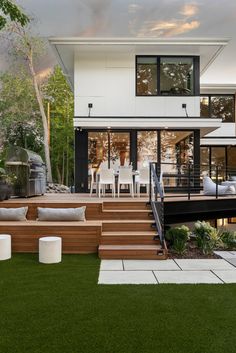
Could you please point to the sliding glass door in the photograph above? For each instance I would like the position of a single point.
(109, 148)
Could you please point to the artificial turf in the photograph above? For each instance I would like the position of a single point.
(60, 308)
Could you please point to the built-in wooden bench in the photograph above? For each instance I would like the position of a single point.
(77, 237)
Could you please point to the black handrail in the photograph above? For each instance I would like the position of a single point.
(157, 204)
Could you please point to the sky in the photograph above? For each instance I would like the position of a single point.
(140, 18)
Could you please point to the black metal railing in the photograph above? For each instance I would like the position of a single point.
(156, 200)
(171, 180)
(187, 180)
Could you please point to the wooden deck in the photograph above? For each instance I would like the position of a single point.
(115, 228)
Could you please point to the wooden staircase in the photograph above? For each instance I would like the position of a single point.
(128, 232)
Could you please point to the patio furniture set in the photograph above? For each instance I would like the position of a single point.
(123, 176)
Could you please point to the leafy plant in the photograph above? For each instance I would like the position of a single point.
(8, 178)
(207, 237)
(228, 239)
(178, 238)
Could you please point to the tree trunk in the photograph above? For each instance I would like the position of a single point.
(44, 121)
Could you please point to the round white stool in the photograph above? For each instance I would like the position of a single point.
(5, 246)
(50, 250)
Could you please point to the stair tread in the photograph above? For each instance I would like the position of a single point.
(128, 221)
(128, 233)
(127, 210)
(129, 247)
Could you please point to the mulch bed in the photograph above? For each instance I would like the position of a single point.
(192, 252)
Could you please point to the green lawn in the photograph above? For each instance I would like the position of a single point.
(60, 308)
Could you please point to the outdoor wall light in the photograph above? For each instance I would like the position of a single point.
(90, 105)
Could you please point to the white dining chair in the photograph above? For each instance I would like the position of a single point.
(93, 181)
(142, 179)
(106, 177)
(126, 178)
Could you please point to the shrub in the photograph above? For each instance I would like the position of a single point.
(178, 238)
(207, 237)
(228, 239)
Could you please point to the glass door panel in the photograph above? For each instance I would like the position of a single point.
(176, 154)
(218, 159)
(146, 148)
(119, 149)
(97, 149)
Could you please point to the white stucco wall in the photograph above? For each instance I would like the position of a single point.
(107, 80)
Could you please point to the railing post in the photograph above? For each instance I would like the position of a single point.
(150, 182)
(189, 191)
(217, 182)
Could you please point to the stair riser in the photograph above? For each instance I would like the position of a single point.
(140, 256)
(127, 240)
(131, 227)
(126, 216)
(124, 205)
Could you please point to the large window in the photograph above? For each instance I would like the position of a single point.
(218, 106)
(167, 76)
(146, 148)
(176, 76)
(109, 148)
(146, 76)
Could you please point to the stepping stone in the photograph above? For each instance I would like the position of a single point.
(204, 264)
(187, 277)
(126, 277)
(227, 276)
(224, 254)
(111, 265)
(232, 261)
(144, 265)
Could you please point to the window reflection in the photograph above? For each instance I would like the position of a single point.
(204, 107)
(146, 148)
(176, 76)
(146, 76)
(176, 154)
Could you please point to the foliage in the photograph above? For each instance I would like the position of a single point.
(11, 10)
(228, 239)
(178, 238)
(19, 111)
(207, 237)
(28, 48)
(60, 102)
(8, 178)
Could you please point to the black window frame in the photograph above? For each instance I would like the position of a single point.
(196, 75)
(210, 95)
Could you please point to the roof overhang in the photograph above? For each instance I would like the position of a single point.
(207, 48)
(204, 125)
(218, 141)
(218, 88)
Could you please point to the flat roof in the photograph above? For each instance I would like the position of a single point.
(207, 48)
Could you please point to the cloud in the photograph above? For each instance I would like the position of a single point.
(189, 10)
(167, 28)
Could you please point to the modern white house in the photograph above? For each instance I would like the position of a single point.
(140, 99)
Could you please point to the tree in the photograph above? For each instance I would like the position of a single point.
(30, 48)
(19, 113)
(59, 99)
(12, 11)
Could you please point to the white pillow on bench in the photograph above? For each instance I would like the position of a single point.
(61, 214)
(13, 214)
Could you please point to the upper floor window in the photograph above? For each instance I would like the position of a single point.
(176, 76)
(146, 76)
(218, 106)
(167, 76)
